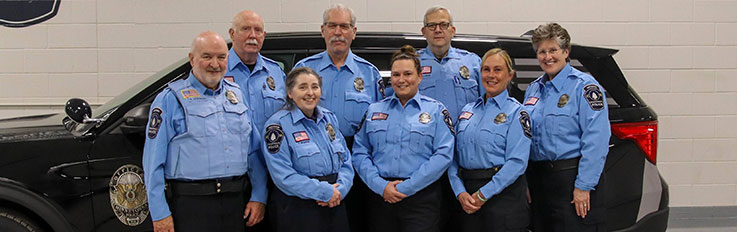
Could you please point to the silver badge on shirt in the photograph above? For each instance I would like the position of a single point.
(231, 97)
(464, 72)
(358, 84)
(331, 131)
(500, 118)
(424, 118)
(270, 83)
(563, 100)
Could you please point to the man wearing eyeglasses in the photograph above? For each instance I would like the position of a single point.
(261, 79)
(449, 75)
(349, 85)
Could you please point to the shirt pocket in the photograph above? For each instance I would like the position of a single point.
(562, 121)
(235, 119)
(354, 106)
(493, 139)
(307, 159)
(202, 120)
(463, 136)
(427, 83)
(376, 131)
(339, 154)
(470, 89)
(420, 139)
(273, 101)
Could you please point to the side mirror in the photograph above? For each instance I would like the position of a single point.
(136, 119)
(78, 110)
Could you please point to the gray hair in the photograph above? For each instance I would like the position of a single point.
(552, 31)
(338, 6)
(291, 80)
(434, 9)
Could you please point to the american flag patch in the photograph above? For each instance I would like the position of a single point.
(379, 116)
(465, 115)
(188, 93)
(426, 69)
(301, 136)
(229, 78)
(531, 101)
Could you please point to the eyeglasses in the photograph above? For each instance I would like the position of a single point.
(342, 26)
(433, 26)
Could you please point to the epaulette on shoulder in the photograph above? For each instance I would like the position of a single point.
(231, 84)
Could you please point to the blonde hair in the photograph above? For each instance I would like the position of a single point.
(503, 54)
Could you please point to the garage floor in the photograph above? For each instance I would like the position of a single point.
(709, 219)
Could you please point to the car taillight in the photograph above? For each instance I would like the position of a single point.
(645, 134)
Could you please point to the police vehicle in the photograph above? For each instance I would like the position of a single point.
(82, 171)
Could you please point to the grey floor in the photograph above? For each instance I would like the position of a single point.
(709, 219)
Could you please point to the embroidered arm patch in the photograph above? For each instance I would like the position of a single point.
(273, 136)
(448, 121)
(594, 97)
(154, 123)
(524, 119)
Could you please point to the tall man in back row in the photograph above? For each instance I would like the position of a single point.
(202, 158)
(449, 75)
(349, 85)
(261, 79)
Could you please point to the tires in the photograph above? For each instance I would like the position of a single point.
(13, 221)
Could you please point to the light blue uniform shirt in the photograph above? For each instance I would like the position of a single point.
(485, 140)
(207, 136)
(302, 148)
(347, 90)
(413, 142)
(263, 100)
(571, 119)
(444, 81)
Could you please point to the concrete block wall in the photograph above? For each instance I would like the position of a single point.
(680, 55)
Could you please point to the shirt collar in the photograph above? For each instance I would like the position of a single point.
(298, 115)
(499, 100)
(201, 88)
(234, 60)
(350, 62)
(452, 54)
(560, 80)
(395, 100)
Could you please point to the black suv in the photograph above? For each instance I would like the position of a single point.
(60, 175)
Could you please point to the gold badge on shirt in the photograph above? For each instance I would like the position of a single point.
(424, 118)
(464, 72)
(331, 131)
(563, 100)
(358, 84)
(500, 118)
(231, 97)
(270, 83)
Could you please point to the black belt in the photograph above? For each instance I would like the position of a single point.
(394, 178)
(478, 174)
(555, 166)
(332, 178)
(208, 186)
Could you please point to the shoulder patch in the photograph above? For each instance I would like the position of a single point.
(154, 123)
(273, 137)
(594, 97)
(448, 121)
(524, 120)
(380, 85)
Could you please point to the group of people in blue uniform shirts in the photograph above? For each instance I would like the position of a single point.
(347, 153)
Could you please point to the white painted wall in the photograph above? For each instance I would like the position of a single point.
(680, 55)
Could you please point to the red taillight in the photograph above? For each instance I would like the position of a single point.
(645, 134)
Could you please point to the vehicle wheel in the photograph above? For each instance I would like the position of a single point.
(12, 221)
